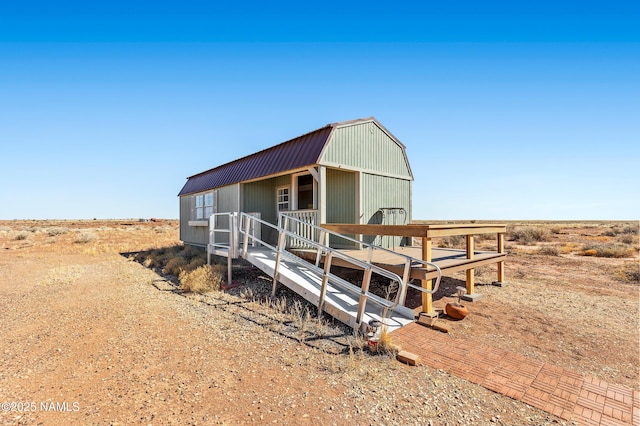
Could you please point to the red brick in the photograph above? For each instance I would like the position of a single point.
(609, 421)
(536, 398)
(590, 403)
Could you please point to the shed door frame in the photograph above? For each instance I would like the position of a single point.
(295, 190)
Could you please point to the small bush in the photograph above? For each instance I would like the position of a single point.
(529, 234)
(629, 272)
(556, 230)
(454, 241)
(195, 263)
(203, 279)
(175, 265)
(55, 231)
(22, 236)
(628, 239)
(85, 238)
(607, 250)
(549, 251)
(634, 230)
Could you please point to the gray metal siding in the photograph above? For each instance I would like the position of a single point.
(191, 234)
(379, 192)
(366, 147)
(229, 198)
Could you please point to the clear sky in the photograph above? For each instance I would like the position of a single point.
(507, 110)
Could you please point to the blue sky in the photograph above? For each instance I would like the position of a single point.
(507, 111)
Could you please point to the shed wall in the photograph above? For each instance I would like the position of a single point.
(260, 197)
(367, 147)
(227, 200)
(379, 192)
(191, 234)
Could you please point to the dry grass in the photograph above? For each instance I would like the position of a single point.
(86, 237)
(203, 279)
(616, 250)
(529, 234)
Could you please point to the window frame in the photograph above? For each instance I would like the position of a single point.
(286, 188)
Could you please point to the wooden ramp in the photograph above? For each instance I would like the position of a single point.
(340, 303)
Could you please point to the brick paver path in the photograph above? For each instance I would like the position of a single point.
(568, 395)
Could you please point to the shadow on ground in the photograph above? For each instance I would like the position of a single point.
(286, 314)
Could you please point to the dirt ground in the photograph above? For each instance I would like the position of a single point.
(90, 335)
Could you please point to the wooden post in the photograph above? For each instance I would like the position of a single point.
(501, 264)
(427, 299)
(470, 272)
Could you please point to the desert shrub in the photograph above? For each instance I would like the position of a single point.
(191, 252)
(5, 229)
(196, 263)
(23, 235)
(86, 237)
(56, 230)
(386, 344)
(549, 251)
(175, 265)
(529, 234)
(629, 272)
(628, 239)
(203, 279)
(556, 230)
(633, 230)
(453, 241)
(607, 250)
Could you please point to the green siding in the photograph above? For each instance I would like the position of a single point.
(366, 146)
(341, 200)
(341, 196)
(260, 197)
(379, 192)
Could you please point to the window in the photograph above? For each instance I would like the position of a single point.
(282, 196)
(204, 205)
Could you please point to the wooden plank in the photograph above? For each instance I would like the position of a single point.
(395, 230)
(471, 249)
(418, 231)
(433, 233)
(427, 299)
(501, 251)
(449, 260)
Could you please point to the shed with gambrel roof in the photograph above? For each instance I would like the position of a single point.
(347, 172)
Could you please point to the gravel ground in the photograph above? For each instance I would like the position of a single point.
(100, 339)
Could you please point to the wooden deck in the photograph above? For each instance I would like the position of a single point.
(448, 260)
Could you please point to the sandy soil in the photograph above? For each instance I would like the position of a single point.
(90, 336)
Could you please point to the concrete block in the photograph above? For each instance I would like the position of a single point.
(428, 318)
(500, 283)
(407, 357)
(471, 297)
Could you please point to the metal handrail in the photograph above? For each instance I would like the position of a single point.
(408, 260)
(232, 246)
(327, 276)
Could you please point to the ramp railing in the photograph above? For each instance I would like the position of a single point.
(408, 262)
(322, 248)
(225, 224)
(362, 293)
